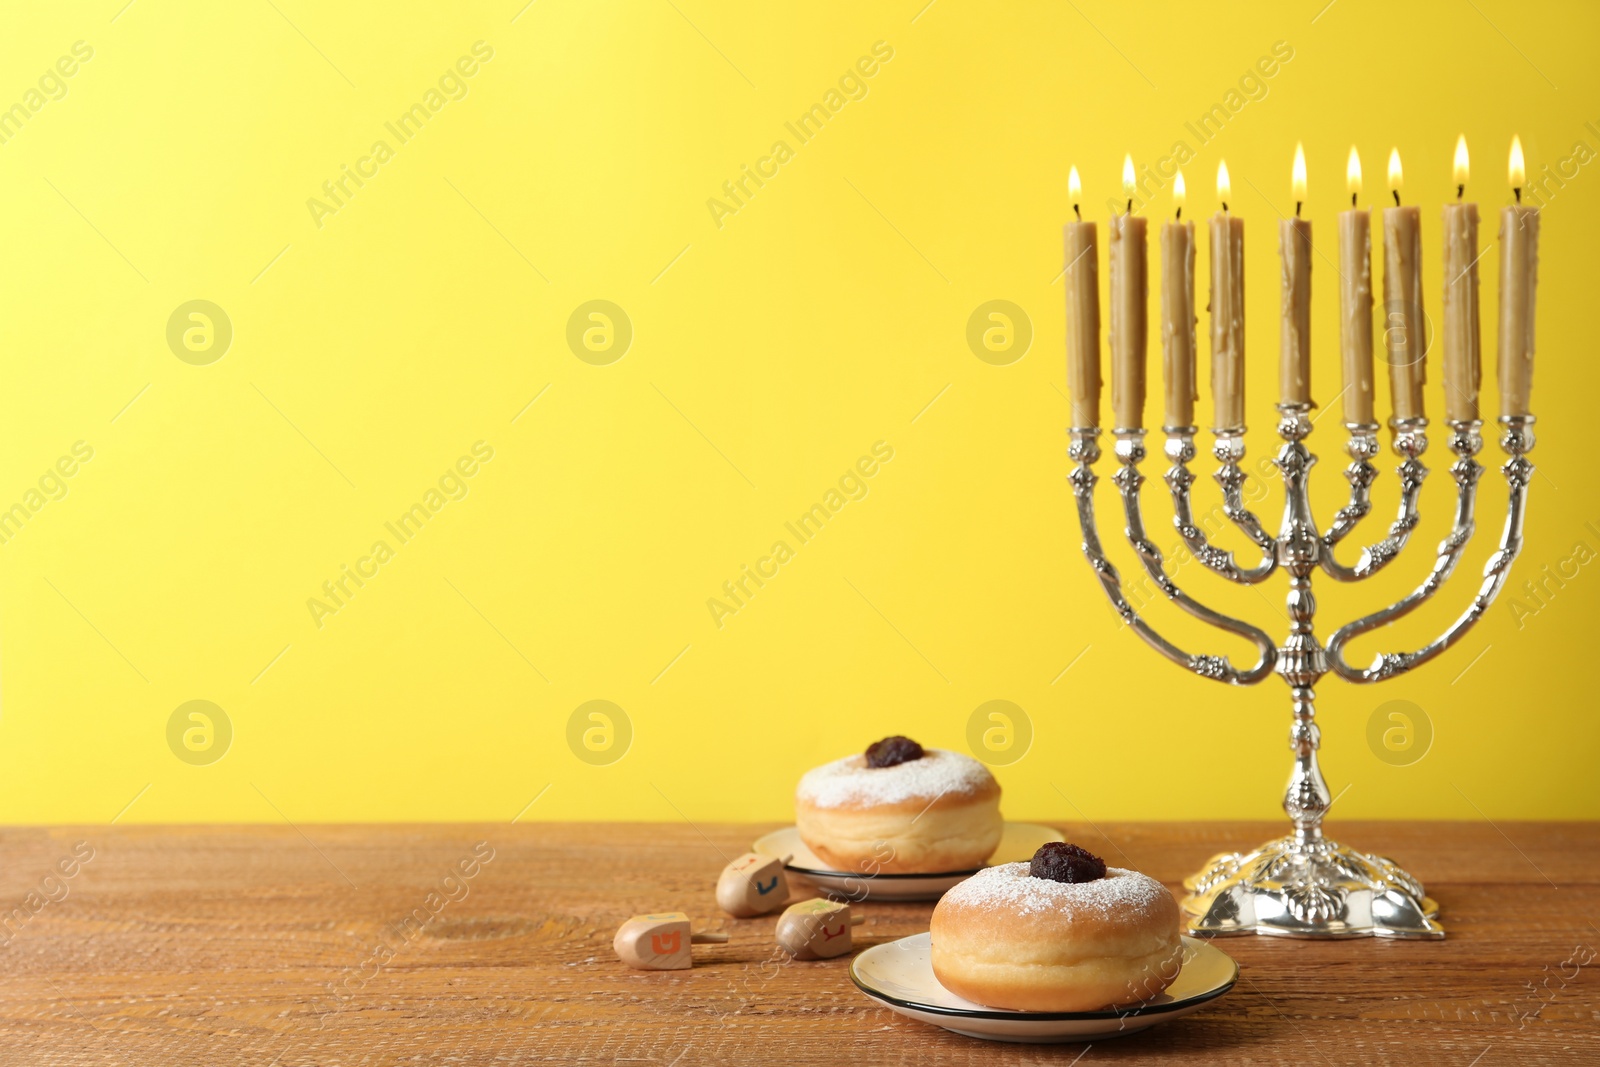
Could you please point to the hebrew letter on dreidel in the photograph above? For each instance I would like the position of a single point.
(816, 929)
(753, 884)
(659, 942)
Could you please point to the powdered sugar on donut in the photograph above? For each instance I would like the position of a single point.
(1011, 888)
(850, 781)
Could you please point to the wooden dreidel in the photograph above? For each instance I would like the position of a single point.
(753, 884)
(816, 929)
(659, 942)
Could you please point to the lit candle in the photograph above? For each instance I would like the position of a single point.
(1405, 329)
(1519, 277)
(1177, 313)
(1294, 247)
(1129, 301)
(1463, 369)
(1083, 312)
(1227, 312)
(1355, 302)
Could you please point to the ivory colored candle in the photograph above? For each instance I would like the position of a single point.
(1294, 253)
(1519, 278)
(1129, 320)
(1083, 323)
(1405, 328)
(1355, 314)
(1178, 321)
(1294, 364)
(1463, 369)
(1227, 313)
(1227, 321)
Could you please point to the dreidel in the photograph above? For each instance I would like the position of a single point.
(753, 884)
(660, 942)
(816, 929)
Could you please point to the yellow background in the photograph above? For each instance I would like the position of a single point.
(768, 354)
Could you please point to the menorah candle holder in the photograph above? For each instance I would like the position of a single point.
(1303, 884)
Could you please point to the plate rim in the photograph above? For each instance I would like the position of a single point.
(1012, 1015)
(824, 872)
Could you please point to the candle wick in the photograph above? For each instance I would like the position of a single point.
(1224, 207)
(1076, 212)
(1518, 192)
(1396, 197)
(1297, 209)
(1180, 211)
(1461, 190)
(1130, 206)
(1353, 199)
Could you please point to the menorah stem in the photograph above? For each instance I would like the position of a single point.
(1301, 660)
(1307, 799)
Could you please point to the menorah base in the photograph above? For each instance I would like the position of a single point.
(1317, 889)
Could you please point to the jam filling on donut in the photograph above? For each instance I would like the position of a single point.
(1061, 862)
(892, 751)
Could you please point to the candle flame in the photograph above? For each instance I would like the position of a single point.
(1518, 170)
(1352, 173)
(1299, 180)
(1224, 186)
(1127, 176)
(1461, 168)
(1394, 170)
(1074, 186)
(1180, 192)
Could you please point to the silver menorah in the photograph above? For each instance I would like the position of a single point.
(1303, 884)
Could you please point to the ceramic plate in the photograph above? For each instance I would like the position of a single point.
(899, 975)
(1019, 842)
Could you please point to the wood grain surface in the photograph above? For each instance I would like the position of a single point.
(324, 945)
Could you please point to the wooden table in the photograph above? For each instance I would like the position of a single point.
(324, 945)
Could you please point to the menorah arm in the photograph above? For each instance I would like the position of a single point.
(1180, 450)
(1362, 448)
(1085, 451)
(1410, 442)
(1517, 441)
